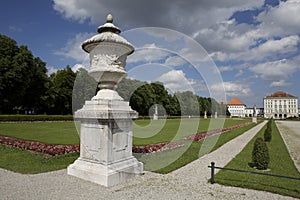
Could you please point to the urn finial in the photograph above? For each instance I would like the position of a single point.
(109, 18)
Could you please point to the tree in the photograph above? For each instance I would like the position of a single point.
(37, 87)
(84, 89)
(60, 91)
(23, 77)
(142, 99)
(127, 87)
(188, 102)
(260, 154)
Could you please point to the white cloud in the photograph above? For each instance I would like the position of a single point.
(279, 83)
(148, 53)
(175, 80)
(77, 10)
(72, 48)
(271, 48)
(281, 20)
(175, 61)
(179, 15)
(275, 70)
(226, 36)
(232, 89)
(240, 73)
(51, 70)
(76, 67)
(274, 37)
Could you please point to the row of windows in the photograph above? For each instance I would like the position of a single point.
(236, 107)
(280, 106)
(293, 101)
(280, 111)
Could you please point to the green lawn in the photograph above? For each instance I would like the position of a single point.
(175, 129)
(280, 163)
(30, 163)
(46, 132)
(65, 133)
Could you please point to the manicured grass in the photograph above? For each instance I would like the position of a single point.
(46, 132)
(165, 162)
(158, 131)
(65, 133)
(280, 163)
(26, 162)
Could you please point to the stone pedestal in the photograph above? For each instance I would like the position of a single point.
(205, 115)
(254, 120)
(106, 142)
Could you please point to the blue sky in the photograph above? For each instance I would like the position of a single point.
(254, 45)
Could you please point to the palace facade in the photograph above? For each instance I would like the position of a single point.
(280, 105)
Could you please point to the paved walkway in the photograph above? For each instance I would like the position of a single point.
(189, 182)
(290, 132)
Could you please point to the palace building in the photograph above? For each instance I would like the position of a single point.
(280, 105)
(236, 108)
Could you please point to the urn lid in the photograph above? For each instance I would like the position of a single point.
(108, 32)
(109, 26)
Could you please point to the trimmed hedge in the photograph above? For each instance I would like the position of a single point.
(9, 118)
(268, 134)
(260, 154)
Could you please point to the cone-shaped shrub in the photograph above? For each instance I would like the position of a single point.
(268, 134)
(260, 154)
(269, 124)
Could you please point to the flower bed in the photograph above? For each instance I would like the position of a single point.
(156, 147)
(200, 136)
(50, 149)
(54, 149)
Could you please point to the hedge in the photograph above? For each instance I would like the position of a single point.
(6, 118)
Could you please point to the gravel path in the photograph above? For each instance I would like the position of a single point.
(189, 182)
(290, 132)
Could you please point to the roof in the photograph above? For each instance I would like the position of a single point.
(280, 94)
(235, 101)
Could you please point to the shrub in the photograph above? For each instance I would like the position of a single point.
(260, 154)
(268, 134)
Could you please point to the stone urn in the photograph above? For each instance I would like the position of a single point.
(106, 120)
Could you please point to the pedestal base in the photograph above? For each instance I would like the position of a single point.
(106, 175)
(254, 120)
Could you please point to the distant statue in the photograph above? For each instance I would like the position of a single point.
(254, 119)
(155, 115)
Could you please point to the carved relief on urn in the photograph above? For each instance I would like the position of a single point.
(108, 53)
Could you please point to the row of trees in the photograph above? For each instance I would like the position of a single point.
(142, 96)
(25, 86)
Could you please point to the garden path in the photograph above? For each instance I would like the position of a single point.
(290, 132)
(188, 182)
